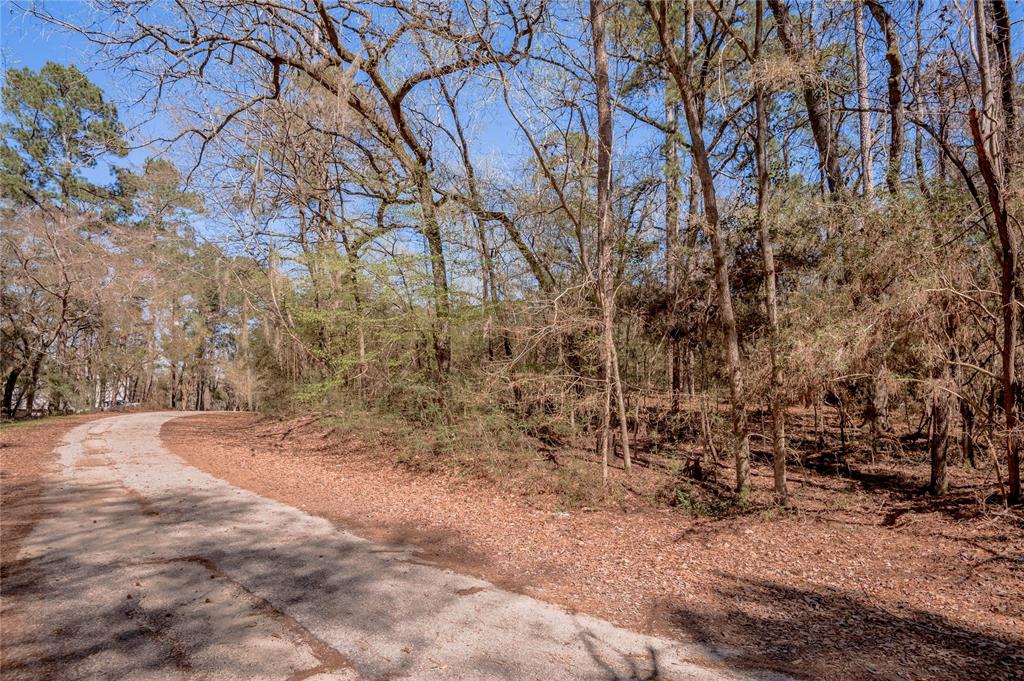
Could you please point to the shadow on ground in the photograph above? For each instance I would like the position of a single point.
(832, 634)
(78, 605)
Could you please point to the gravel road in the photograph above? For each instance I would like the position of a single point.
(143, 567)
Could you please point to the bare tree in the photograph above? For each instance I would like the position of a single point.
(605, 274)
(659, 13)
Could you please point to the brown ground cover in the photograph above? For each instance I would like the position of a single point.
(864, 578)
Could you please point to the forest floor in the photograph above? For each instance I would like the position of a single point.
(863, 578)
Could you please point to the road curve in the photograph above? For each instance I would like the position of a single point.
(143, 567)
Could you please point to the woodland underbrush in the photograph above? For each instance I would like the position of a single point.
(680, 460)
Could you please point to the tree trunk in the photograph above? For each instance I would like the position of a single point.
(33, 382)
(672, 201)
(817, 113)
(897, 115)
(620, 403)
(863, 105)
(441, 328)
(606, 289)
(1007, 85)
(992, 153)
(702, 164)
(877, 410)
(1008, 305)
(9, 386)
(967, 434)
(174, 385)
(939, 441)
(776, 402)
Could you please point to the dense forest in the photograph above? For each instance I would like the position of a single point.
(704, 235)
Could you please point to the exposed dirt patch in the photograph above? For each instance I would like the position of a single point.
(857, 582)
(27, 456)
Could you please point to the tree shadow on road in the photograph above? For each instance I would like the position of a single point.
(78, 606)
(647, 668)
(170, 609)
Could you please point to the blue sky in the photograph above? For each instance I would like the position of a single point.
(28, 42)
